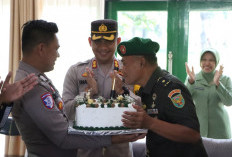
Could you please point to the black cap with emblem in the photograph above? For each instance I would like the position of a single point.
(104, 29)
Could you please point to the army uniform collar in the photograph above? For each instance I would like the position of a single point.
(153, 79)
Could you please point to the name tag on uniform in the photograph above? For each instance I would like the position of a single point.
(152, 111)
(199, 88)
(82, 81)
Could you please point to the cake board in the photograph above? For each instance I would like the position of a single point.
(71, 130)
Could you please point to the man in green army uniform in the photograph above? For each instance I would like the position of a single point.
(168, 111)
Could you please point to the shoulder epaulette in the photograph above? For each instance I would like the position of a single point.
(164, 81)
(82, 63)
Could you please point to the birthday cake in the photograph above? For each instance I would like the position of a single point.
(101, 114)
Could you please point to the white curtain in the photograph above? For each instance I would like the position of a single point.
(4, 37)
(73, 18)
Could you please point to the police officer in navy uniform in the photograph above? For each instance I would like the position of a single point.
(95, 75)
(39, 114)
(167, 108)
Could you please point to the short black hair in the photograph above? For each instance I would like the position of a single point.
(151, 58)
(35, 32)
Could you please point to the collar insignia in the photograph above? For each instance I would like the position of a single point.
(116, 64)
(94, 64)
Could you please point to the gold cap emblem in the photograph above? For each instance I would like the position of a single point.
(102, 28)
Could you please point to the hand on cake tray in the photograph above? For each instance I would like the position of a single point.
(136, 120)
(127, 138)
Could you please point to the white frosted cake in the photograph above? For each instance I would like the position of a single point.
(100, 114)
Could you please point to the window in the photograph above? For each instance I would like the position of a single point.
(190, 27)
(146, 24)
(73, 19)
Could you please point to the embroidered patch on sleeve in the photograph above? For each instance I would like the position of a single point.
(177, 98)
(47, 100)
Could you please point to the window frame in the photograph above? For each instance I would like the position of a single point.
(177, 23)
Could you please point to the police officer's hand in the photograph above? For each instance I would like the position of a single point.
(127, 138)
(92, 84)
(190, 73)
(12, 92)
(135, 120)
(118, 82)
(217, 75)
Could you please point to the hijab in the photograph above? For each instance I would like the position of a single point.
(209, 76)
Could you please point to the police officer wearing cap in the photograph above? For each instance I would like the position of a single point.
(95, 75)
(39, 114)
(168, 111)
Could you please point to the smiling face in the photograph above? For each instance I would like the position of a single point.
(208, 62)
(104, 49)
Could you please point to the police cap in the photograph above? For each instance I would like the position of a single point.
(104, 29)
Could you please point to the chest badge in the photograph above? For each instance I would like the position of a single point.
(84, 74)
(152, 111)
(154, 98)
(177, 98)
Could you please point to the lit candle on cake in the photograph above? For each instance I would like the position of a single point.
(113, 92)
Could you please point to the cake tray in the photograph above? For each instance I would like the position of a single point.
(71, 130)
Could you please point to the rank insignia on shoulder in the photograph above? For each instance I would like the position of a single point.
(163, 81)
(84, 74)
(83, 81)
(47, 100)
(177, 98)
